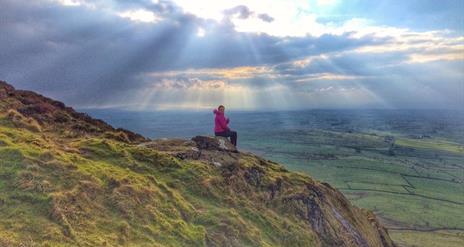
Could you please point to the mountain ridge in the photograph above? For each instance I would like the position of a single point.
(72, 180)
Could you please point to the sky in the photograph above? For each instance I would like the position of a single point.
(248, 55)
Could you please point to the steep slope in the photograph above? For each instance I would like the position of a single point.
(69, 180)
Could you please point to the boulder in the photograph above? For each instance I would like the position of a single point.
(214, 143)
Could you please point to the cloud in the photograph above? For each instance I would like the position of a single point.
(243, 12)
(265, 17)
(86, 54)
(240, 11)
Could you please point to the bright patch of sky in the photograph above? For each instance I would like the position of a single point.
(290, 18)
(140, 15)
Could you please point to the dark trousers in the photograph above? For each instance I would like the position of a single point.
(229, 133)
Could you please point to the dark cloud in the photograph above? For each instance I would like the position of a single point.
(241, 11)
(265, 17)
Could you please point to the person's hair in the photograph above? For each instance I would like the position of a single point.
(220, 106)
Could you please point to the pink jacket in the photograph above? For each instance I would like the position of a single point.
(220, 122)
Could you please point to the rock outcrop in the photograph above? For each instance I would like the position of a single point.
(214, 143)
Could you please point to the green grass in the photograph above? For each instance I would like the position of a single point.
(428, 239)
(105, 192)
(432, 145)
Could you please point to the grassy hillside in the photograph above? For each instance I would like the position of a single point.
(69, 180)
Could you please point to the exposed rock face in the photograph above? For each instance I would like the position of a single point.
(216, 151)
(115, 187)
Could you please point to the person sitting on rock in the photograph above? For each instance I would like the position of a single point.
(220, 125)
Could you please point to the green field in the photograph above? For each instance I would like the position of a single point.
(416, 186)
